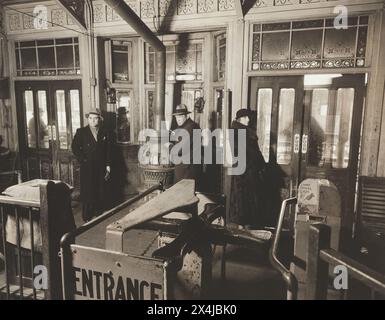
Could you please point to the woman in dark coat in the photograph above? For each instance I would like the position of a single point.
(91, 147)
(246, 198)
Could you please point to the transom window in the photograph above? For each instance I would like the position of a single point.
(311, 44)
(183, 62)
(48, 57)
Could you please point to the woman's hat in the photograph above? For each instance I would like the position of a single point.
(181, 109)
(95, 111)
(243, 113)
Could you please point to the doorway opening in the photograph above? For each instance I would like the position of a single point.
(309, 127)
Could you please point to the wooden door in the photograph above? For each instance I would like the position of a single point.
(331, 136)
(278, 103)
(45, 140)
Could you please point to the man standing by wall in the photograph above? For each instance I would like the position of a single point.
(183, 121)
(91, 147)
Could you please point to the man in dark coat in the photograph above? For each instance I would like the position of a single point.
(91, 147)
(246, 198)
(183, 121)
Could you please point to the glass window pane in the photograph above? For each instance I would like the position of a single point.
(170, 63)
(342, 127)
(222, 62)
(275, 46)
(123, 101)
(17, 59)
(75, 110)
(28, 58)
(317, 137)
(43, 119)
(120, 66)
(46, 58)
(306, 45)
(189, 62)
(265, 100)
(340, 43)
(220, 57)
(77, 59)
(45, 43)
(64, 41)
(199, 64)
(26, 44)
(29, 116)
(120, 63)
(150, 64)
(285, 126)
(65, 57)
(61, 119)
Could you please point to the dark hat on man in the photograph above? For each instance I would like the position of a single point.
(95, 111)
(122, 110)
(243, 113)
(181, 109)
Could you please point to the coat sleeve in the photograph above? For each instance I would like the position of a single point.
(77, 148)
(108, 149)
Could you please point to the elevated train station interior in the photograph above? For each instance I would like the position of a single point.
(310, 72)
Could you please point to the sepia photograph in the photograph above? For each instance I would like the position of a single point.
(192, 150)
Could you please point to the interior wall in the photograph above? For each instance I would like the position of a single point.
(6, 122)
(373, 139)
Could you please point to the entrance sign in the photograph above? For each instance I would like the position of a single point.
(104, 275)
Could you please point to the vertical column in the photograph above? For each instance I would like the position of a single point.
(235, 63)
(84, 52)
(372, 148)
(7, 129)
(234, 85)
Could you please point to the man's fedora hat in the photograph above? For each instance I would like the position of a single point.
(181, 109)
(95, 111)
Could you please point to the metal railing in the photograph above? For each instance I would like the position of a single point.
(321, 256)
(287, 276)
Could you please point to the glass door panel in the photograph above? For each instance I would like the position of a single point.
(332, 123)
(75, 110)
(44, 130)
(285, 126)
(264, 108)
(31, 121)
(278, 105)
(61, 119)
(343, 127)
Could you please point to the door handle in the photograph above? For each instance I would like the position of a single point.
(305, 141)
(297, 138)
(49, 132)
(53, 128)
